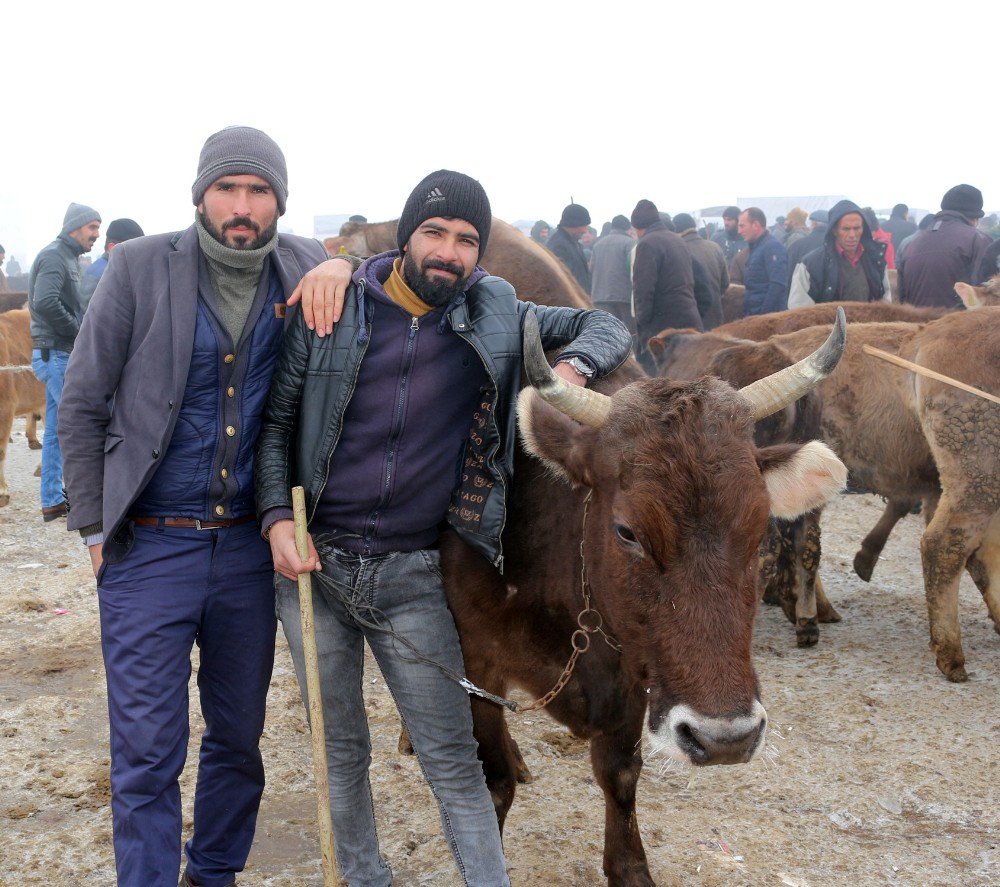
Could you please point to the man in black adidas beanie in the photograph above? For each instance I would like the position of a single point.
(406, 426)
(182, 336)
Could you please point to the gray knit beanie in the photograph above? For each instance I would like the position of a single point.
(448, 195)
(241, 151)
(77, 216)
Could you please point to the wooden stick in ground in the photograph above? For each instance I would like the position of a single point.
(314, 695)
(931, 374)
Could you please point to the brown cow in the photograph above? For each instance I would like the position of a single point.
(977, 296)
(532, 270)
(653, 497)
(963, 431)
(20, 392)
(763, 326)
(12, 301)
(909, 438)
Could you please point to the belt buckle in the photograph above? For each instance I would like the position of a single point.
(198, 526)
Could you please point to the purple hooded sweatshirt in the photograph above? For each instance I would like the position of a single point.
(400, 452)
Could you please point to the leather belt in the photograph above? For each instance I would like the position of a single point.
(191, 522)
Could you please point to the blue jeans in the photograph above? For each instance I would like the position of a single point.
(402, 589)
(174, 589)
(51, 372)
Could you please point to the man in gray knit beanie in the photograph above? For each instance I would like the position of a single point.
(182, 336)
(56, 310)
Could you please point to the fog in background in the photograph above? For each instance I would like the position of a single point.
(108, 104)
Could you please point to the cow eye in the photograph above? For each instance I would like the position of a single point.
(625, 535)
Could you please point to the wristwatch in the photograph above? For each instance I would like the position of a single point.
(581, 366)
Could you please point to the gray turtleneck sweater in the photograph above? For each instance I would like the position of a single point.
(235, 274)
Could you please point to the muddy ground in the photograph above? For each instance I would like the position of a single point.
(878, 771)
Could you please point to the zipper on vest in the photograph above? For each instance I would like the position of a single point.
(347, 400)
(395, 432)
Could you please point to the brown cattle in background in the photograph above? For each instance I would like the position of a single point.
(909, 439)
(536, 274)
(987, 295)
(963, 432)
(12, 301)
(763, 326)
(20, 392)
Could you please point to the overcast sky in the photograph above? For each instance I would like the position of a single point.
(689, 104)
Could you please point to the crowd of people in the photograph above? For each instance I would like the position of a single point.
(655, 271)
(176, 366)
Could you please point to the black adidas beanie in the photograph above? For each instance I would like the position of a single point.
(450, 195)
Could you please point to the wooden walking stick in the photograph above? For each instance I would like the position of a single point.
(313, 694)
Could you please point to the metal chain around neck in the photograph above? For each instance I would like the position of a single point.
(589, 620)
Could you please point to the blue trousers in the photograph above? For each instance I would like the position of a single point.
(177, 588)
(401, 591)
(51, 372)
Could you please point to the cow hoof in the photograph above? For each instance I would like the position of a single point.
(864, 566)
(4, 500)
(38, 471)
(807, 634)
(828, 614)
(34, 445)
(771, 597)
(956, 675)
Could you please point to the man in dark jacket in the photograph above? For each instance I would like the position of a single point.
(729, 238)
(611, 273)
(813, 240)
(766, 272)
(181, 338)
(849, 267)
(564, 243)
(662, 282)
(56, 312)
(949, 251)
(403, 421)
(899, 225)
(119, 230)
(711, 271)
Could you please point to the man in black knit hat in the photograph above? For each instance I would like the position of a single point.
(181, 337)
(119, 231)
(409, 428)
(949, 251)
(564, 243)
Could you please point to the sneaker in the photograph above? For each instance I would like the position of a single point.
(54, 512)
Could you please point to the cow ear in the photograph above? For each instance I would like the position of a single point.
(968, 294)
(557, 440)
(800, 478)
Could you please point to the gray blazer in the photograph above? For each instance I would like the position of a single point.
(134, 349)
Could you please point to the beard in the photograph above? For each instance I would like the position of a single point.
(241, 241)
(435, 291)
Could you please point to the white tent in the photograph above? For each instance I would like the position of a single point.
(779, 206)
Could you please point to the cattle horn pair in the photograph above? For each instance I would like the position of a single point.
(764, 397)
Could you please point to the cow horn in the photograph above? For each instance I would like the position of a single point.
(585, 406)
(775, 392)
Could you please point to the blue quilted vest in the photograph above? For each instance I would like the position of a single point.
(207, 470)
